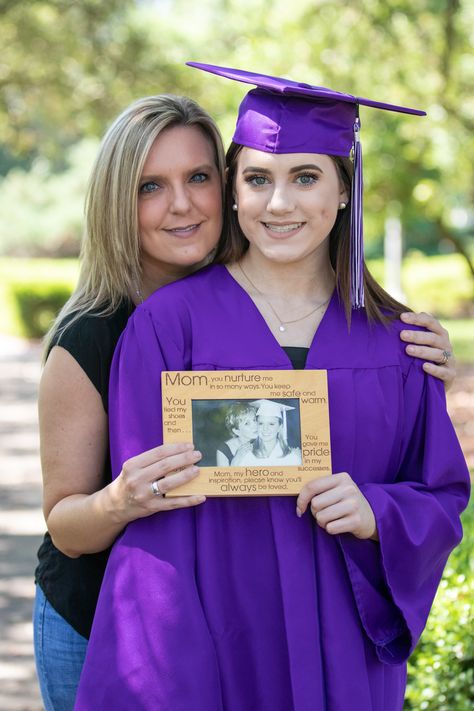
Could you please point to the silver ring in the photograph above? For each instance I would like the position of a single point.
(156, 489)
(446, 356)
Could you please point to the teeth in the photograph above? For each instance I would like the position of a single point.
(283, 228)
(183, 229)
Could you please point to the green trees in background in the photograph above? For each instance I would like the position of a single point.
(68, 68)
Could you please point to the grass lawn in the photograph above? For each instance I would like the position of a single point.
(440, 285)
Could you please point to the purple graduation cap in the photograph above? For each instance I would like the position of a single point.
(284, 116)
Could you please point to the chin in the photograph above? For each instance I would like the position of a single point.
(283, 256)
(194, 258)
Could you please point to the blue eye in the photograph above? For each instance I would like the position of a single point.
(148, 187)
(256, 180)
(307, 179)
(199, 178)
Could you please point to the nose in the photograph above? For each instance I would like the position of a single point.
(180, 201)
(280, 201)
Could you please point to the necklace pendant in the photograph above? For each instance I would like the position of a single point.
(282, 328)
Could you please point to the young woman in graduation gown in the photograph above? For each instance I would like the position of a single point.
(311, 603)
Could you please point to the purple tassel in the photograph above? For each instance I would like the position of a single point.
(357, 229)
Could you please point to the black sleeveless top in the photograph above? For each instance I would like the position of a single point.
(72, 585)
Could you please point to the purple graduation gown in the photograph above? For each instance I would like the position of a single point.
(238, 605)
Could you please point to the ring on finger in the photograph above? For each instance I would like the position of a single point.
(155, 487)
(446, 356)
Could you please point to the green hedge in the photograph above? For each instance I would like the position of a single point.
(32, 291)
(37, 306)
(441, 669)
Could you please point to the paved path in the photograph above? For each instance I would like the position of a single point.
(21, 521)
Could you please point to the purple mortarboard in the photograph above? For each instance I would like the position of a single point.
(284, 116)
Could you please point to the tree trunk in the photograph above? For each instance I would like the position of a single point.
(457, 242)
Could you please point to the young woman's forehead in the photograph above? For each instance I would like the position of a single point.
(254, 158)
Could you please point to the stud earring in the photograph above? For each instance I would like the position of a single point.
(342, 205)
(234, 207)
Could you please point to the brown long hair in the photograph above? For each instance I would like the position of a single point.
(233, 244)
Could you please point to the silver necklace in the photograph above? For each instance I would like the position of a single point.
(283, 324)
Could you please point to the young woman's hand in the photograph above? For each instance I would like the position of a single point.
(433, 346)
(141, 487)
(338, 506)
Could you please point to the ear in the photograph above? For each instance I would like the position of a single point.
(343, 194)
(234, 197)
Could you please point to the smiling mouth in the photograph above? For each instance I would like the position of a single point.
(183, 230)
(282, 229)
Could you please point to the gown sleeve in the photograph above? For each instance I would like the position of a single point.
(135, 387)
(395, 580)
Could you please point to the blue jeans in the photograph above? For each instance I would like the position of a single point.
(59, 655)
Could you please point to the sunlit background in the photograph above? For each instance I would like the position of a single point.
(68, 68)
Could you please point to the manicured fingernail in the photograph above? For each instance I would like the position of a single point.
(411, 349)
(298, 512)
(194, 469)
(197, 453)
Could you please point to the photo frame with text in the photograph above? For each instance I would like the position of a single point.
(261, 433)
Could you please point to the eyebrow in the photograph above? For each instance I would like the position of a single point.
(206, 167)
(296, 169)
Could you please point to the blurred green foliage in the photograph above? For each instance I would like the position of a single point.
(38, 305)
(50, 221)
(440, 284)
(32, 291)
(441, 669)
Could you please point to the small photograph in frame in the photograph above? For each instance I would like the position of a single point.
(247, 432)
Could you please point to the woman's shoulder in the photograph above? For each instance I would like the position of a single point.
(187, 296)
(187, 287)
(92, 330)
(90, 338)
(380, 342)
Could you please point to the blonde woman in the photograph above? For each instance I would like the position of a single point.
(153, 214)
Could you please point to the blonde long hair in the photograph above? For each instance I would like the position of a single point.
(110, 255)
